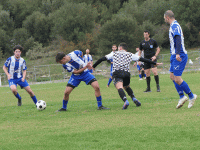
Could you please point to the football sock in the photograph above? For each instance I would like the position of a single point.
(140, 76)
(148, 82)
(122, 94)
(130, 93)
(109, 81)
(65, 104)
(179, 90)
(34, 99)
(18, 96)
(99, 102)
(142, 73)
(156, 79)
(186, 89)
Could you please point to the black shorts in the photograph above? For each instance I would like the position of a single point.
(148, 65)
(121, 76)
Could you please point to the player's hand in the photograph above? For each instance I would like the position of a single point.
(9, 76)
(178, 58)
(23, 79)
(139, 63)
(159, 63)
(153, 58)
(89, 66)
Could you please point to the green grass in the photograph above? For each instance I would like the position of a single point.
(154, 125)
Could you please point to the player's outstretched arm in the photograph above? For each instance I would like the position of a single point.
(99, 61)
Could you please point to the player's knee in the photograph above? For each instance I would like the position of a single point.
(14, 90)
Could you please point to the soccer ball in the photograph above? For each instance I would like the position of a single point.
(41, 105)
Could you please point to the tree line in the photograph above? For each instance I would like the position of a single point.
(43, 26)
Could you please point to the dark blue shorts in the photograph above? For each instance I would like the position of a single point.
(177, 67)
(19, 82)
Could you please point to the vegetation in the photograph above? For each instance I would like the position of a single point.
(65, 25)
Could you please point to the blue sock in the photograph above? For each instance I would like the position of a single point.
(144, 75)
(179, 89)
(18, 96)
(99, 103)
(127, 103)
(34, 99)
(140, 76)
(109, 81)
(134, 99)
(186, 89)
(65, 104)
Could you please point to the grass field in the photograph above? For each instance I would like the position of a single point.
(154, 125)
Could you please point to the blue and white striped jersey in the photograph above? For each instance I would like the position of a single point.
(175, 29)
(15, 67)
(87, 58)
(75, 63)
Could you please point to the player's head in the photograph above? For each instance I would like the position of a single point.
(137, 49)
(169, 16)
(114, 47)
(146, 34)
(87, 51)
(18, 50)
(60, 58)
(122, 46)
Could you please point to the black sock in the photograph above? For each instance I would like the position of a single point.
(130, 92)
(156, 79)
(122, 94)
(148, 82)
(143, 73)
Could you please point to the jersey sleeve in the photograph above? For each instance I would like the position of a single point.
(141, 46)
(24, 65)
(7, 63)
(109, 56)
(68, 67)
(78, 53)
(135, 57)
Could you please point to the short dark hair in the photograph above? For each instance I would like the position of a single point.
(18, 47)
(114, 45)
(147, 31)
(124, 46)
(60, 56)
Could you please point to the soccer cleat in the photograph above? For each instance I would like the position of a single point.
(61, 109)
(140, 79)
(102, 107)
(158, 88)
(181, 102)
(191, 101)
(19, 102)
(147, 90)
(126, 104)
(137, 103)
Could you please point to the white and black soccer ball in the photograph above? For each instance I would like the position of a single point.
(41, 105)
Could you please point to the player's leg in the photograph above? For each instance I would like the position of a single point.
(26, 86)
(140, 75)
(156, 77)
(131, 94)
(178, 70)
(13, 87)
(89, 79)
(118, 82)
(148, 78)
(96, 88)
(110, 80)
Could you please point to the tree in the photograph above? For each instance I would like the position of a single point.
(72, 21)
(38, 26)
(122, 28)
(6, 22)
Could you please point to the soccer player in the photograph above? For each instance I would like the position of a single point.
(72, 63)
(15, 69)
(178, 60)
(114, 48)
(121, 74)
(140, 65)
(88, 58)
(149, 46)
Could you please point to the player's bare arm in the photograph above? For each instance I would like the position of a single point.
(5, 69)
(157, 52)
(24, 75)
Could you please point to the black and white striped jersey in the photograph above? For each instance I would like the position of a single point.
(122, 60)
